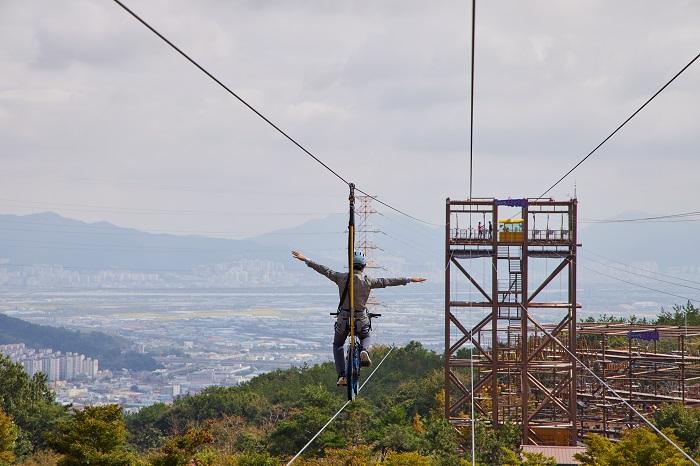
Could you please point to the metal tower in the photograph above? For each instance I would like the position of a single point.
(520, 374)
(365, 230)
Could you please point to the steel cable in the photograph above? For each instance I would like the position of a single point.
(471, 107)
(555, 339)
(227, 89)
(643, 219)
(621, 125)
(647, 421)
(254, 110)
(340, 410)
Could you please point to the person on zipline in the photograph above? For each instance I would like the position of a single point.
(362, 284)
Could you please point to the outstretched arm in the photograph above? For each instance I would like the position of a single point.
(322, 269)
(384, 282)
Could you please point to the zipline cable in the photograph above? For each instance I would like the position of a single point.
(471, 116)
(555, 339)
(258, 113)
(319, 432)
(471, 179)
(621, 125)
(340, 410)
(393, 347)
(225, 87)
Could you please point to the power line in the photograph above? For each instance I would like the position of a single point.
(405, 214)
(632, 283)
(588, 251)
(621, 125)
(416, 247)
(644, 219)
(644, 276)
(113, 247)
(650, 221)
(639, 285)
(73, 230)
(97, 269)
(119, 269)
(130, 210)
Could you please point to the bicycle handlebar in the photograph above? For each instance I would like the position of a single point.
(371, 315)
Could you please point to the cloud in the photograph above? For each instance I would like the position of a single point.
(94, 109)
(36, 95)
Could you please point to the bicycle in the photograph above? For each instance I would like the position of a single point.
(352, 359)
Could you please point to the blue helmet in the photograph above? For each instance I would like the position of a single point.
(359, 260)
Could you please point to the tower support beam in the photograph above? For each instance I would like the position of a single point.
(520, 374)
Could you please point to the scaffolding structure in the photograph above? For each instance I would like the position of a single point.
(646, 365)
(512, 336)
(520, 374)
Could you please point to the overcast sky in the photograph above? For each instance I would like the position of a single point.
(100, 120)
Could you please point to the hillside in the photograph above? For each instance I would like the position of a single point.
(396, 420)
(275, 414)
(49, 238)
(404, 247)
(112, 352)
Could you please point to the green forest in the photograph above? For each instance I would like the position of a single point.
(112, 352)
(397, 420)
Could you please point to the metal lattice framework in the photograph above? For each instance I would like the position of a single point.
(365, 230)
(520, 374)
(646, 365)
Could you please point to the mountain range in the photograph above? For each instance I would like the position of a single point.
(403, 245)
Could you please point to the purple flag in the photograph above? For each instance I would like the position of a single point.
(648, 335)
(512, 202)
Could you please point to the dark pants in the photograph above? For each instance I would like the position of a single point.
(342, 330)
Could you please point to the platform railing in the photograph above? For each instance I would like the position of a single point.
(473, 234)
(549, 235)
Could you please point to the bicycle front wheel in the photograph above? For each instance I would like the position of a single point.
(352, 371)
